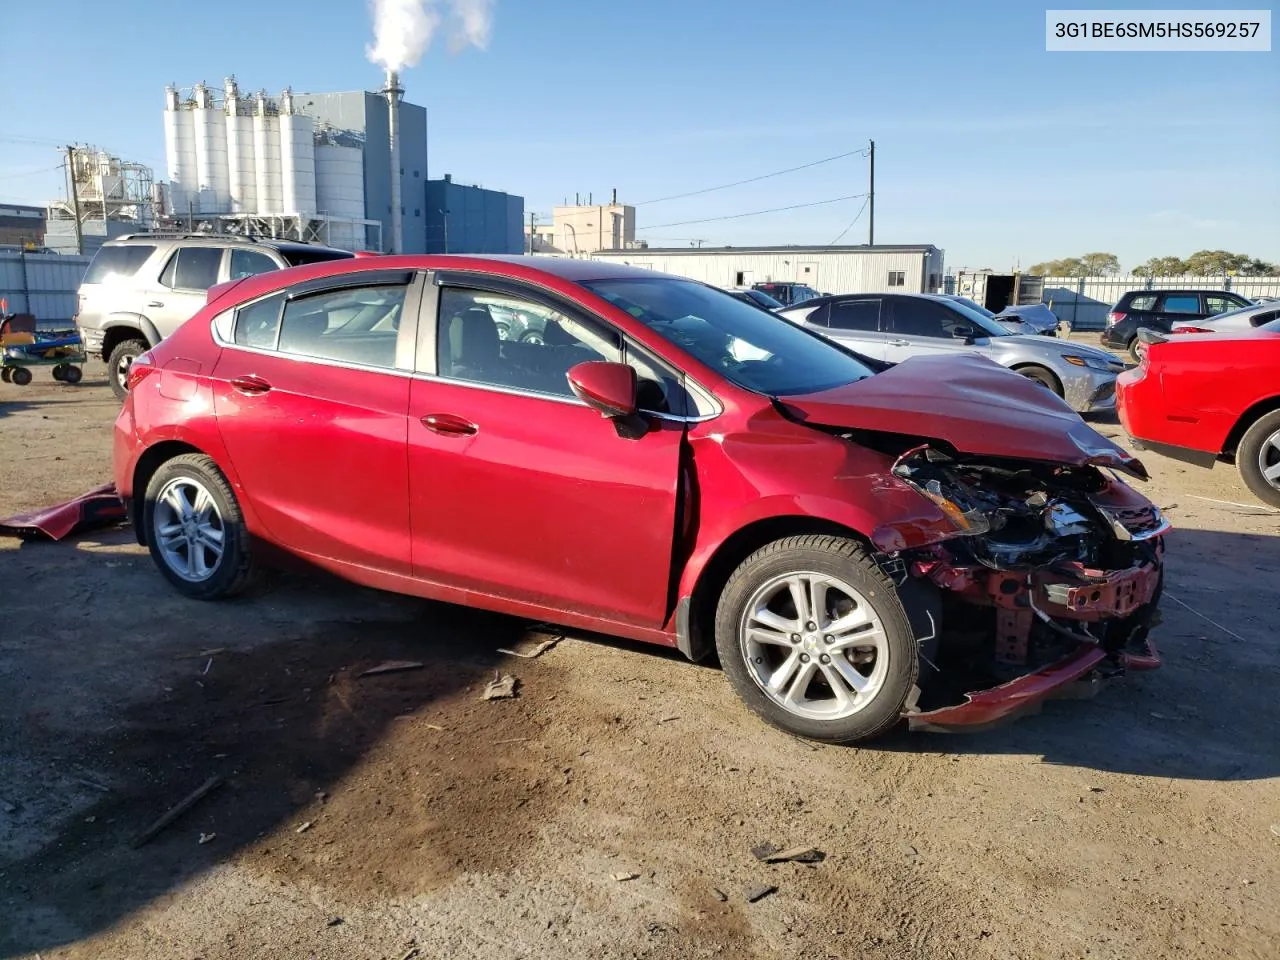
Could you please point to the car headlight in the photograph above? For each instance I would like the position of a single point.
(1094, 363)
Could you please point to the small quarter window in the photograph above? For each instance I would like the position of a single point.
(258, 323)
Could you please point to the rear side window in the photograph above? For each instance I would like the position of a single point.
(350, 326)
(856, 315)
(1142, 301)
(258, 322)
(117, 263)
(249, 263)
(922, 318)
(1181, 303)
(192, 268)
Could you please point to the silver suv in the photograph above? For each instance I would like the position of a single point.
(142, 287)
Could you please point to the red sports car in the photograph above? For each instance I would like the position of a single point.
(1205, 397)
(857, 541)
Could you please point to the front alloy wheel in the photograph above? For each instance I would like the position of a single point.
(814, 645)
(815, 639)
(1258, 458)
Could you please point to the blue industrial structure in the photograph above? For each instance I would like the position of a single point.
(464, 219)
(362, 117)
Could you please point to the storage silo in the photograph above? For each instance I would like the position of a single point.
(297, 159)
(211, 153)
(340, 191)
(266, 156)
(180, 150)
(240, 165)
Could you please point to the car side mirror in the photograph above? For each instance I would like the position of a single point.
(965, 333)
(607, 387)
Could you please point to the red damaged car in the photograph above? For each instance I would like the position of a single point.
(1205, 397)
(941, 539)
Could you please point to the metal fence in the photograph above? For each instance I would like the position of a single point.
(43, 284)
(1084, 302)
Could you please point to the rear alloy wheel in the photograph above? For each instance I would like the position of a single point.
(1258, 458)
(1043, 377)
(195, 530)
(815, 639)
(1135, 350)
(118, 362)
(534, 337)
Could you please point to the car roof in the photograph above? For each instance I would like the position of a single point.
(530, 268)
(1182, 293)
(249, 243)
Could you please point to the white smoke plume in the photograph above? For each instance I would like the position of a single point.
(403, 29)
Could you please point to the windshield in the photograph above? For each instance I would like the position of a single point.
(985, 324)
(744, 344)
(974, 305)
(766, 301)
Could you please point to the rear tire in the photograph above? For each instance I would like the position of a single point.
(118, 362)
(1132, 348)
(195, 530)
(1044, 377)
(856, 637)
(1258, 454)
(20, 377)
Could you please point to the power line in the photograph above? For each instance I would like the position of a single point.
(754, 213)
(29, 173)
(840, 236)
(764, 176)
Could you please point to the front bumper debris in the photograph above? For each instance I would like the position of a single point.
(1079, 675)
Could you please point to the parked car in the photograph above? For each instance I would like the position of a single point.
(1210, 398)
(140, 287)
(756, 297)
(788, 294)
(818, 521)
(1036, 318)
(1233, 321)
(1159, 310)
(895, 326)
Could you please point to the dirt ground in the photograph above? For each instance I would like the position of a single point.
(401, 815)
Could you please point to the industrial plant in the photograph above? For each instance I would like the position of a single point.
(346, 169)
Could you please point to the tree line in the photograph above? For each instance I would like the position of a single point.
(1202, 263)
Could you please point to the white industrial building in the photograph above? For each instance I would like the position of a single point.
(260, 165)
(906, 268)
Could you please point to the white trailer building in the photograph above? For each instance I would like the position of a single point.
(908, 268)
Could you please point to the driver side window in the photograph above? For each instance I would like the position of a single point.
(921, 318)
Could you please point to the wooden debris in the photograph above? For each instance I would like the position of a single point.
(501, 687)
(534, 652)
(768, 853)
(624, 876)
(392, 666)
(754, 894)
(304, 827)
(187, 802)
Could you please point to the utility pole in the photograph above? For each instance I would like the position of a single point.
(444, 218)
(871, 200)
(75, 198)
(533, 226)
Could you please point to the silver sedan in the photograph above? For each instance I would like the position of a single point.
(896, 326)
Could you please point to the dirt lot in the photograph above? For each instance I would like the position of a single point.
(1142, 824)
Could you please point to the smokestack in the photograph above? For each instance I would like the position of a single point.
(393, 94)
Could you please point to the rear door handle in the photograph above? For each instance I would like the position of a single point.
(448, 425)
(899, 343)
(250, 385)
(155, 303)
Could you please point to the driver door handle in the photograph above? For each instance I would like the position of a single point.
(449, 425)
(155, 303)
(899, 343)
(250, 385)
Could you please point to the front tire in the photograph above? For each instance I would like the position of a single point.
(815, 639)
(118, 362)
(1258, 458)
(1044, 377)
(195, 530)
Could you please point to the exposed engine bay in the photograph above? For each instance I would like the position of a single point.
(1047, 562)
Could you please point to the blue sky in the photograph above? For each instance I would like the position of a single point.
(986, 145)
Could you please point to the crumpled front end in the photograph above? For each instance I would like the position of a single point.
(1049, 586)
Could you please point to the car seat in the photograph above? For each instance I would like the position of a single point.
(473, 345)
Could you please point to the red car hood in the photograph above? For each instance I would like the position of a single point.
(972, 403)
